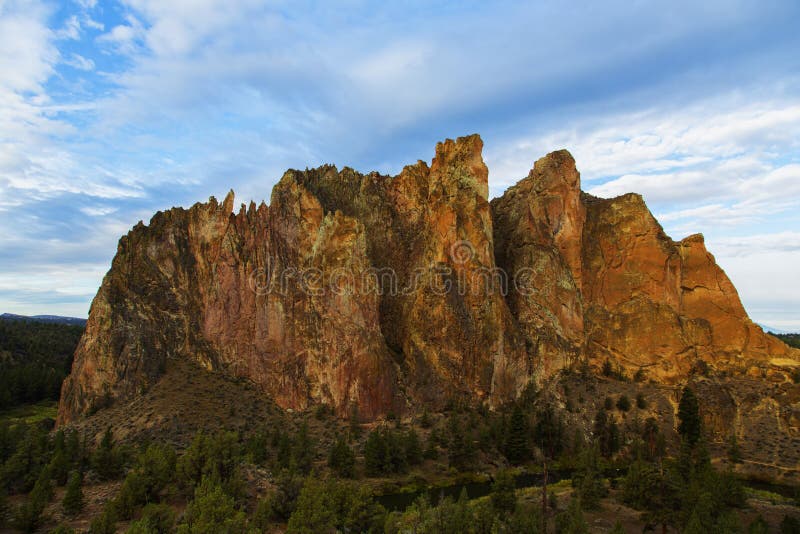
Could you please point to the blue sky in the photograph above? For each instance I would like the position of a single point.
(110, 111)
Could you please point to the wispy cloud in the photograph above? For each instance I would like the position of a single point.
(111, 110)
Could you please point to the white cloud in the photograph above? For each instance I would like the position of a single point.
(71, 29)
(98, 211)
(124, 38)
(79, 62)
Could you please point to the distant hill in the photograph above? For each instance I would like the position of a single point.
(35, 356)
(44, 319)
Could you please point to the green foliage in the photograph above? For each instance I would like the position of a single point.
(655, 443)
(548, 432)
(303, 450)
(517, 444)
(641, 402)
(425, 420)
(503, 496)
(588, 481)
(34, 359)
(342, 459)
(758, 526)
(413, 447)
(689, 426)
(461, 449)
(448, 517)
(331, 506)
(790, 525)
(606, 432)
(31, 451)
(105, 523)
(355, 421)
(30, 513)
(623, 403)
(257, 447)
(734, 452)
(385, 452)
(107, 459)
(62, 529)
(572, 520)
(793, 340)
(212, 511)
(282, 502)
(216, 456)
(73, 498)
(526, 518)
(155, 519)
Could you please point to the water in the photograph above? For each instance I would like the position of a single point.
(397, 502)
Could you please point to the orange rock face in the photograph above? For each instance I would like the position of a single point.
(391, 292)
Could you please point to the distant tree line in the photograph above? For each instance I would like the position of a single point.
(793, 340)
(35, 357)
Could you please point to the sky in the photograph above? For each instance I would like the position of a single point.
(110, 111)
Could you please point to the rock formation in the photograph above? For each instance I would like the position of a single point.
(390, 292)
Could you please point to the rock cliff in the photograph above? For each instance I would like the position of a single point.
(393, 292)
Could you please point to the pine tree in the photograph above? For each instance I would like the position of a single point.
(572, 520)
(106, 460)
(690, 425)
(342, 459)
(503, 496)
(734, 452)
(212, 510)
(303, 450)
(73, 498)
(517, 445)
(412, 446)
(375, 453)
(461, 450)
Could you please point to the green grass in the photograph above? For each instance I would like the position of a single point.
(30, 413)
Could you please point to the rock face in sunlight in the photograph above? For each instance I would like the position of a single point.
(393, 292)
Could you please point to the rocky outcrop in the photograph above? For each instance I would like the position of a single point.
(389, 292)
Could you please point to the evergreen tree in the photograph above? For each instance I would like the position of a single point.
(73, 498)
(332, 506)
(503, 496)
(572, 520)
(689, 426)
(212, 511)
(734, 452)
(517, 444)
(303, 450)
(548, 432)
(342, 459)
(375, 453)
(607, 433)
(106, 460)
(413, 448)
(283, 502)
(461, 450)
(758, 526)
(105, 523)
(587, 479)
(790, 525)
(355, 421)
(155, 519)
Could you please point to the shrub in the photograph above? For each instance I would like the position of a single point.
(73, 498)
(211, 511)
